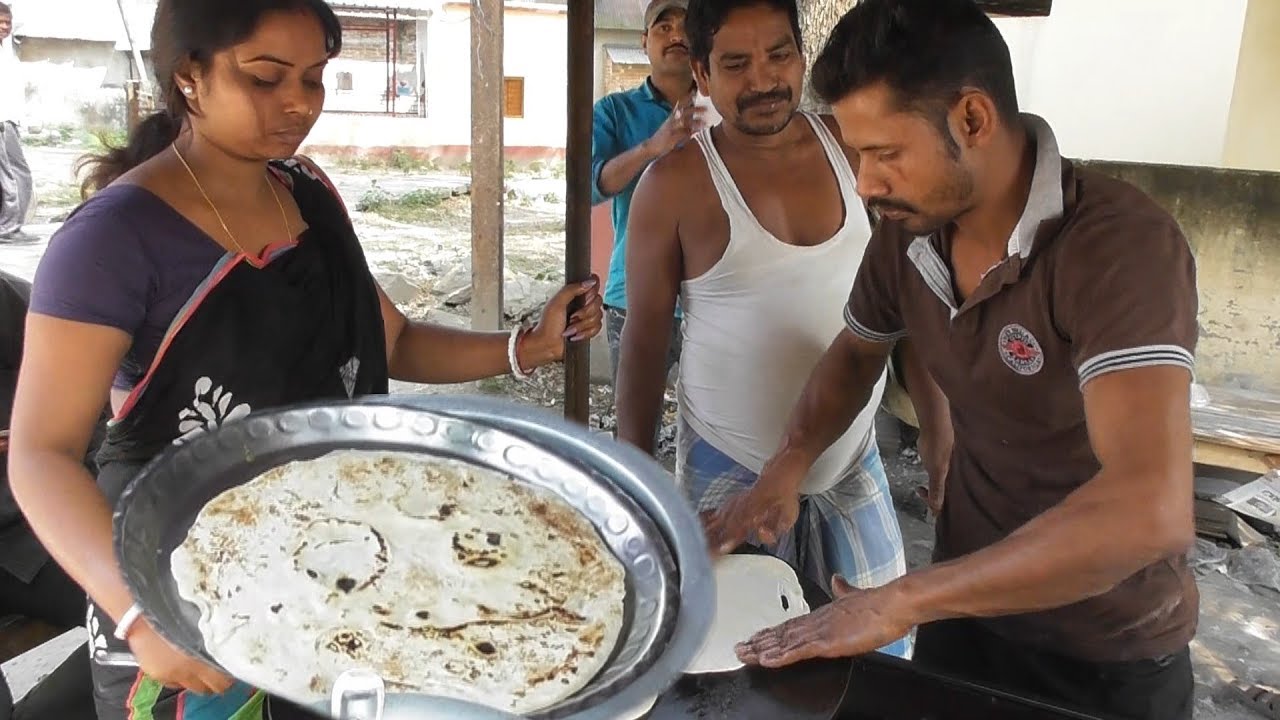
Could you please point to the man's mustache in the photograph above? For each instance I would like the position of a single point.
(882, 204)
(676, 46)
(748, 101)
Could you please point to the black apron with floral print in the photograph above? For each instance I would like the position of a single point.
(302, 324)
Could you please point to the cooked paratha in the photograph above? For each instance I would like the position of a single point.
(444, 578)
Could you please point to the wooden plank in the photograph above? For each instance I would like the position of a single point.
(486, 164)
(577, 258)
(1231, 457)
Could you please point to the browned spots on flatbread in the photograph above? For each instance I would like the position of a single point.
(468, 550)
(318, 684)
(354, 473)
(347, 642)
(591, 638)
(593, 635)
(388, 465)
(234, 507)
(570, 526)
(394, 667)
(569, 665)
(539, 588)
(532, 617)
(275, 474)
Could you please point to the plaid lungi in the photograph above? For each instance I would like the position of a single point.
(851, 529)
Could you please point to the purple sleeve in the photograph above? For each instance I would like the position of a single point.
(94, 271)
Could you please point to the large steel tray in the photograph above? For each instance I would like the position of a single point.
(628, 498)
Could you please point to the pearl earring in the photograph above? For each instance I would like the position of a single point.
(188, 90)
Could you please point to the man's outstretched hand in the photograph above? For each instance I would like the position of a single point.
(855, 623)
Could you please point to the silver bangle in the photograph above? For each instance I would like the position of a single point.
(127, 622)
(512, 342)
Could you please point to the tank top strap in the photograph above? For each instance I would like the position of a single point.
(835, 155)
(735, 206)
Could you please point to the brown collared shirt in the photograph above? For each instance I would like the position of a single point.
(1098, 278)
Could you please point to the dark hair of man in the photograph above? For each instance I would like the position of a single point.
(926, 51)
(5, 10)
(704, 19)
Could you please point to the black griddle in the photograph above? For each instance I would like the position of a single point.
(810, 690)
(889, 688)
(870, 687)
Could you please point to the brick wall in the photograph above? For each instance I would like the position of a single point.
(366, 39)
(620, 76)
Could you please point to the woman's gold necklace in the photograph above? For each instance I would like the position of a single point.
(214, 208)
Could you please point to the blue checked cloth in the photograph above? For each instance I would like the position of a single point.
(850, 530)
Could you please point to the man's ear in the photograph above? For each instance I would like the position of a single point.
(974, 118)
(701, 77)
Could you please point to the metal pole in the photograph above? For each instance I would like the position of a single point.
(577, 257)
(388, 96)
(144, 87)
(486, 164)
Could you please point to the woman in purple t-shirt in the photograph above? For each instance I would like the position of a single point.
(203, 280)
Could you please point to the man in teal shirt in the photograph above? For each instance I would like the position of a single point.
(633, 128)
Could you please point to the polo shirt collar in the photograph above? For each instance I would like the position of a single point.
(1046, 201)
(650, 93)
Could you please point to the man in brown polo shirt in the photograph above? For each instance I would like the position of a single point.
(1056, 310)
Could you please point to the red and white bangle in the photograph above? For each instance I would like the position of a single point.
(513, 344)
(127, 622)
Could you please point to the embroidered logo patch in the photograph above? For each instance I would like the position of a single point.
(1020, 350)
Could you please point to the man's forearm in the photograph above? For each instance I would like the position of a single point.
(933, 411)
(838, 389)
(1081, 548)
(619, 172)
(641, 387)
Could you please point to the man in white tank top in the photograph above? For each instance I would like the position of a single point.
(758, 231)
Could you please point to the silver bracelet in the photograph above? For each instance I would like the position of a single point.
(127, 622)
(512, 342)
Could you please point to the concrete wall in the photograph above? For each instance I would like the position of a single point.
(1232, 219)
(64, 80)
(368, 85)
(534, 49)
(1136, 80)
(1252, 138)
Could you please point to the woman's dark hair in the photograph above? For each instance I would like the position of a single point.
(185, 32)
(704, 19)
(926, 51)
